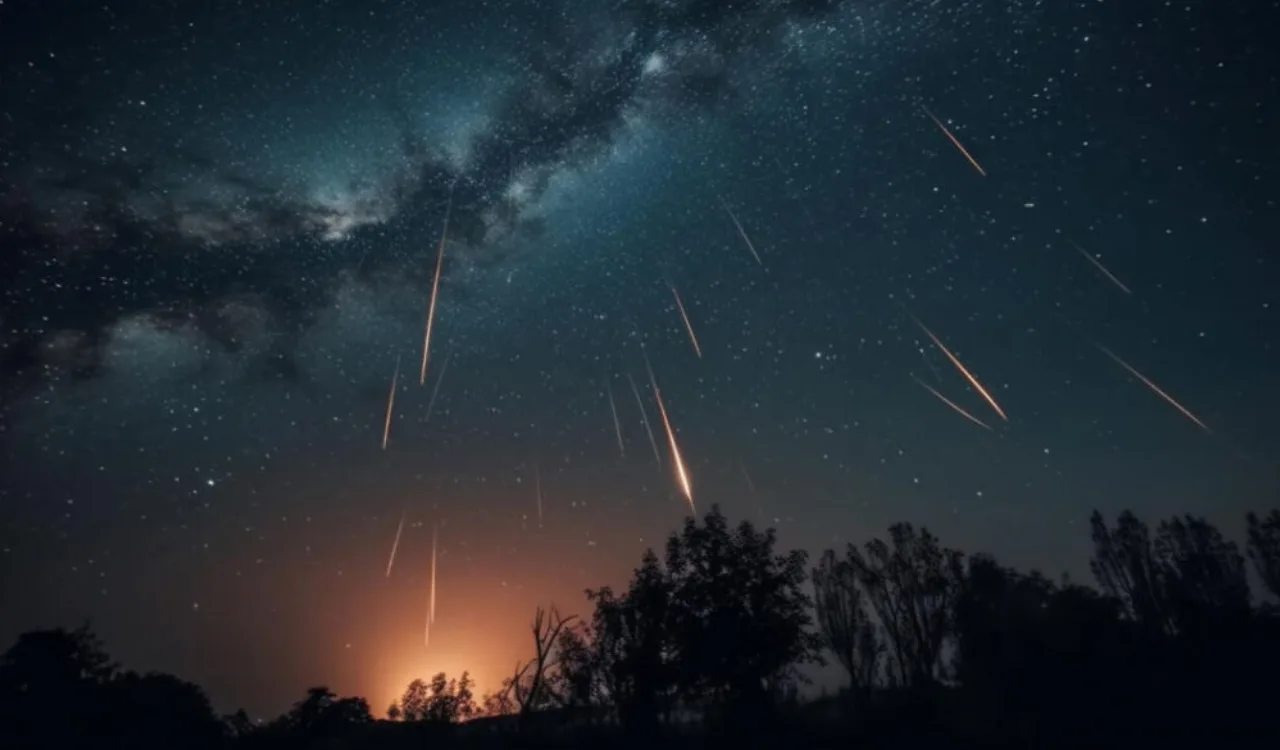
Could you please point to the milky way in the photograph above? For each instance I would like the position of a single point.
(193, 241)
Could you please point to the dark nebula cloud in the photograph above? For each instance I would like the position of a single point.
(178, 235)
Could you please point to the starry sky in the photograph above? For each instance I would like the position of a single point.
(219, 233)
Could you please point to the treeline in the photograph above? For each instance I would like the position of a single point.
(709, 642)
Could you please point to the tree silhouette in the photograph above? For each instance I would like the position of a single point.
(1264, 549)
(161, 711)
(322, 714)
(634, 646)
(531, 683)
(579, 681)
(841, 612)
(441, 701)
(1030, 651)
(1125, 566)
(238, 725)
(1202, 574)
(740, 617)
(912, 587)
(1171, 651)
(52, 686)
(497, 703)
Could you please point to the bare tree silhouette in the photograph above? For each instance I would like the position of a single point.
(1125, 566)
(530, 685)
(1203, 574)
(912, 587)
(1264, 549)
(846, 626)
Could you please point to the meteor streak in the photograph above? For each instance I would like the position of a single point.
(435, 291)
(741, 231)
(391, 404)
(1098, 264)
(431, 599)
(963, 371)
(1155, 388)
(955, 142)
(751, 489)
(434, 531)
(687, 325)
(436, 390)
(956, 407)
(644, 418)
(395, 545)
(681, 474)
(617, 425)
(537, 488)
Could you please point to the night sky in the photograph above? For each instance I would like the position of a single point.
(219, 227)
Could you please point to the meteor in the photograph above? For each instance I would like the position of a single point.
(435, 290)
(741, 231)
(436, 390)
(395, 545)
(537, 487)
(431, 597)
(644, 418)
(751, 489)
(963, 371)
(1155, 388)
(687, 325)
(434, 531)
(617, 425)
(391, 403)
(1098, 264)
(681, 474)
(955, 142)
(956, 407)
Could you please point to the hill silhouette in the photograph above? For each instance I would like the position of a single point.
(706, 645)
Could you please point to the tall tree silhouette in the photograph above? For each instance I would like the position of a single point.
(634, 645)
(844, 622)
(1202, 574)
(739, 614)
(531, 684)
(1125, 567)
(1264, 549)
(579, 681)
(912, 584)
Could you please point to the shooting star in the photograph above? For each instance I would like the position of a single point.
(395, 545)
(431, 405)
(435, 528)
(391, 405)
(435, 290)
(955, 142)
(617, 425)
(751, 489)
(741, 231)
(537, 491)
(1155, 388)
(681, 475)
(644, 418)
(956, 407)
(963, 371)
(431, 596)
(687, 325)
(1098, 265)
